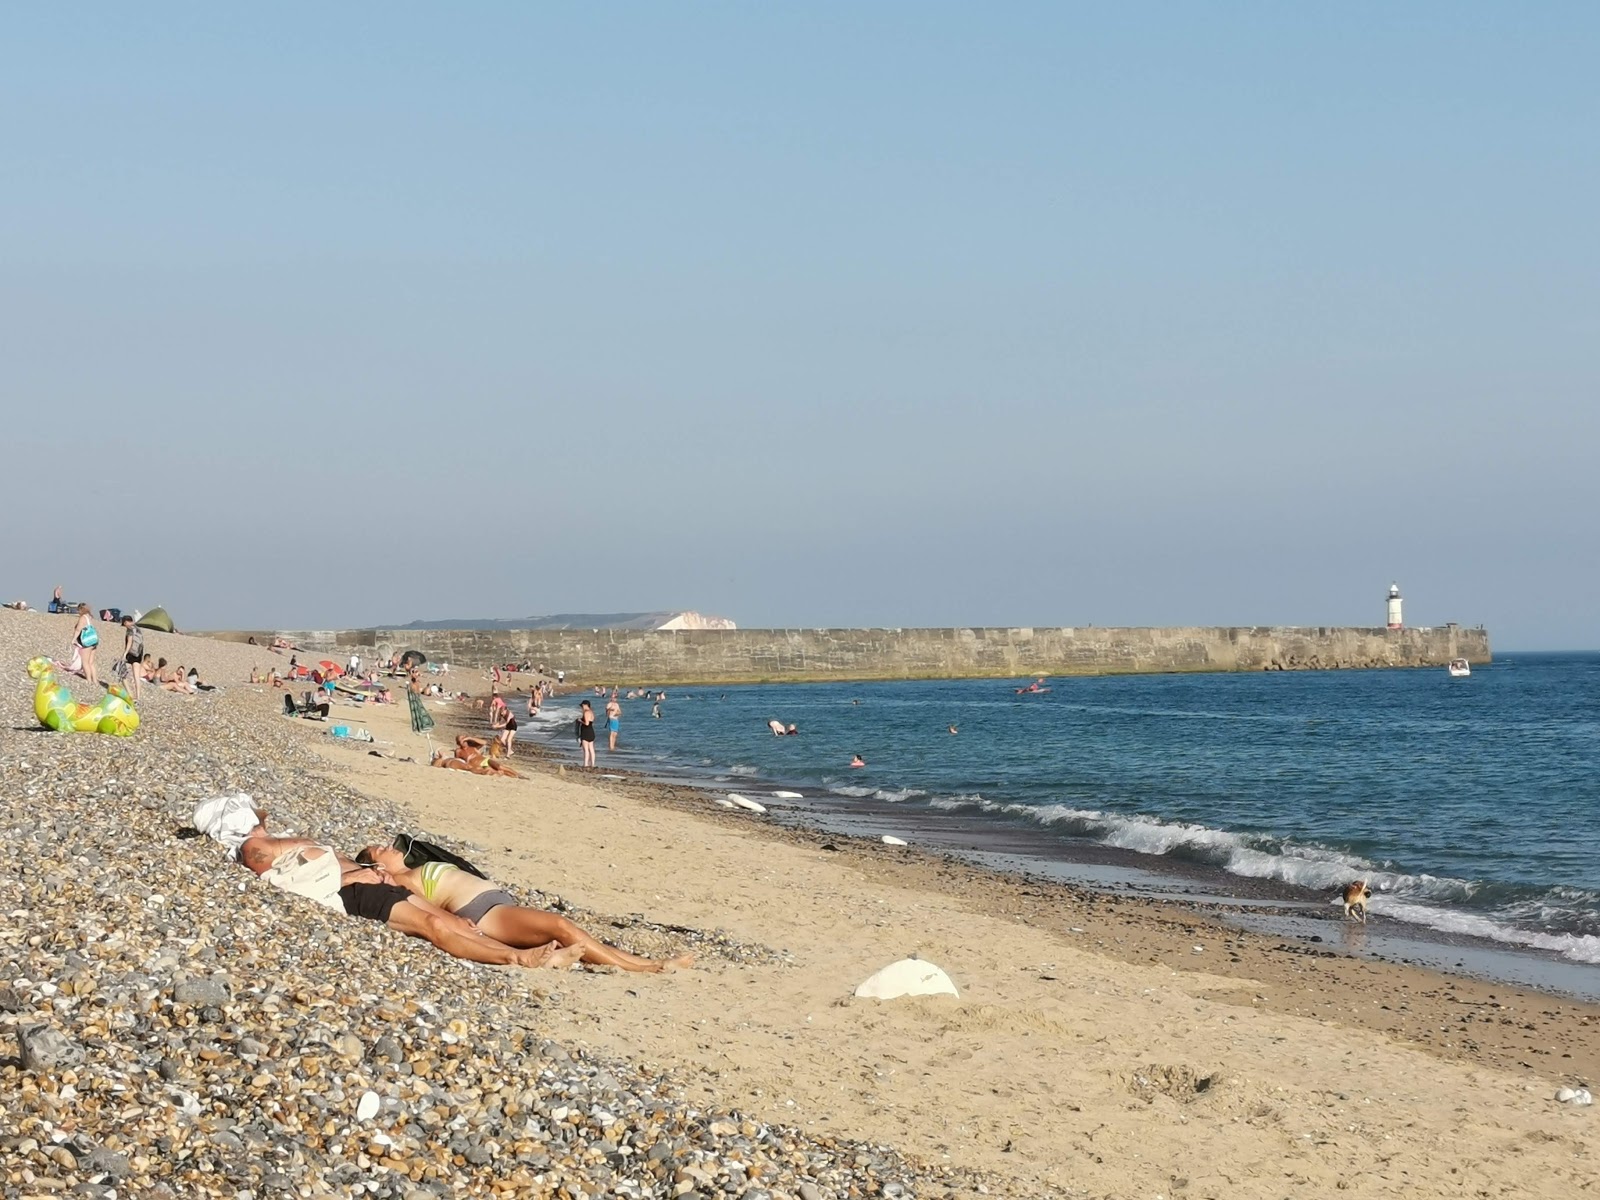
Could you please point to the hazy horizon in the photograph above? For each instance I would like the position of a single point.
(806, 316)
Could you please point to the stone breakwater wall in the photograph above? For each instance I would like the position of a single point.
(795, 655)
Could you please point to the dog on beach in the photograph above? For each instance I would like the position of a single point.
(1356, 896)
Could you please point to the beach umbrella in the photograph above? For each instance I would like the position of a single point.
(330, 668)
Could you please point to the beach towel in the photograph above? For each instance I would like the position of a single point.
(314, 878)
(421, 720)
(226, 819)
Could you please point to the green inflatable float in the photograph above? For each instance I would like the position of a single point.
(56, 708)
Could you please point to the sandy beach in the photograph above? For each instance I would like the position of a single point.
(1100, 1046)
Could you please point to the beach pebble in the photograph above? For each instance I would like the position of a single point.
(367, 1106)
(888, 840)
(42, 1048)
(1566, 1095)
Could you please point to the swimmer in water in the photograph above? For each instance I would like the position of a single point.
(858, 761)
(953, 729)
(776, 726)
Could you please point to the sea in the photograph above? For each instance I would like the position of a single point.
(1470, 804)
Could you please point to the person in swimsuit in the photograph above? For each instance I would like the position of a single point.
(586, 732)
(132, 655)
(85, 638)
(497, 913)
(613, 720)
(365, 892)
(858, 761)
(472, 754)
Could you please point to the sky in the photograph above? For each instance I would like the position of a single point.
(808, 315)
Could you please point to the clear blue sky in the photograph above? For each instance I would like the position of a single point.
(821, 314)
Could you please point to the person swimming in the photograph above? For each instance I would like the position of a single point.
(858, 761)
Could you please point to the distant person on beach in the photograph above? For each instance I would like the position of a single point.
(613, 720)
(503, 724)
(363, 893)
(533, 701)
(585, 727)
(84, 640)
(132, 655)
(472, 754)
(56, 605)
(497, 913)
(858, 761)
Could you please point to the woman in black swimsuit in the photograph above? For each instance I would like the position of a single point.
(586, 732)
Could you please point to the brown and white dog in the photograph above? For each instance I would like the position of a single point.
(1356, 896)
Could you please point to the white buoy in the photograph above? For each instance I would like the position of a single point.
(746, 802)
(893, 841)
(908, 977)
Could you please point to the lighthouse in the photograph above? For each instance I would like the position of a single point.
(1394, 606)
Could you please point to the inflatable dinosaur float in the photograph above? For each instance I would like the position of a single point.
(54, 705)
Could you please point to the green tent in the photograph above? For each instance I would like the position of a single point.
(156, 619)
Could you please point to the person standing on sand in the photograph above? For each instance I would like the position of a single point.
(613, 720)
(586, 732)
(86, 639)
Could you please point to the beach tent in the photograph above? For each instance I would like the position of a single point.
(156, 619)
(413, 656)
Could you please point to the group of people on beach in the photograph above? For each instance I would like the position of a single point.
(445, 903)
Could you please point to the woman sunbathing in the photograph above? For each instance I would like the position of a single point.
(477, 755)
(497, 913)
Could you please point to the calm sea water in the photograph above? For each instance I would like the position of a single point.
(1471, 803)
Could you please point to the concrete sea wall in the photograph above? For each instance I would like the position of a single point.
(772, 655)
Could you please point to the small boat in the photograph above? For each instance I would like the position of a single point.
(1034, 690)
(1459, 667)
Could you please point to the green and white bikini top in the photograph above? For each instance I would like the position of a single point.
(432, 873)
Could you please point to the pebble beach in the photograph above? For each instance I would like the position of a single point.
(171, 1026)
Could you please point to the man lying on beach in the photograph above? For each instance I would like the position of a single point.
(497, 913)
(364, 892)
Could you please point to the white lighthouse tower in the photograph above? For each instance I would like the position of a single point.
(1394, 606)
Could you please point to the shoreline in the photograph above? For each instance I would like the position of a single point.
(1025, 889)
(1261, 905)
